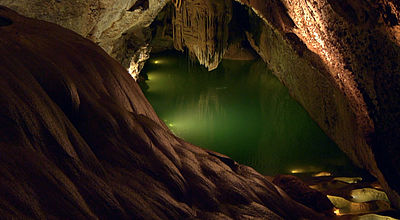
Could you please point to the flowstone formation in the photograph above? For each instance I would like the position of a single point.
(78, 140)
(202, 27)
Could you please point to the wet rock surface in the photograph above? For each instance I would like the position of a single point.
(339, 59)
(354, 197)
(79, 140)
(300, 192)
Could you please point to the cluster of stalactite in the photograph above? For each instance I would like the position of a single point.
(202, 27)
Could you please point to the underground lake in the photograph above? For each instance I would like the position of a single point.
(241, 110)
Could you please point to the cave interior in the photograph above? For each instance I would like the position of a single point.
(79, 139)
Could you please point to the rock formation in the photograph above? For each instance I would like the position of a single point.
(339, 59)
(118, 26)
(202, 27)
(79, 140)
(302, 193)
(224, 39)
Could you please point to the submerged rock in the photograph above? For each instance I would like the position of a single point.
(347, 207)
(373, 217)
(79, 140)
(368, 194)
(348, 179)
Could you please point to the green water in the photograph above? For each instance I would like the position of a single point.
(241, 110)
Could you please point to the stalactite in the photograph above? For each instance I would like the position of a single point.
(202, 27)
(177, 3)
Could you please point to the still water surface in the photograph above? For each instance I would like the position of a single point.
(241, 110)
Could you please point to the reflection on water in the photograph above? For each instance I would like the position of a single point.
(241, 110)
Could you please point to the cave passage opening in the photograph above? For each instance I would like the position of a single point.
(240, 108)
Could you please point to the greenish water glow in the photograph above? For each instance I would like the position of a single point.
(241, 110)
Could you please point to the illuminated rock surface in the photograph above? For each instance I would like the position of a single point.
(79, 140)
(202, 27)
(118, 26)
(361, 199)
(340, 59)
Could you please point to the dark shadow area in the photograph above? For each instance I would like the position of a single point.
(5, 21)
(140, 4)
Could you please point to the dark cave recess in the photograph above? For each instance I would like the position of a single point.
(5, 21)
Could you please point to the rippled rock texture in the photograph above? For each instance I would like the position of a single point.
(79, 140)
(340, 60)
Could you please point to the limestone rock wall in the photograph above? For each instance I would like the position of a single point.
(162, 37)
(78, 140)
(113, 24)
(339, 59)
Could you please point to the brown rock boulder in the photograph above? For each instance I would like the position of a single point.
(300, 192)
